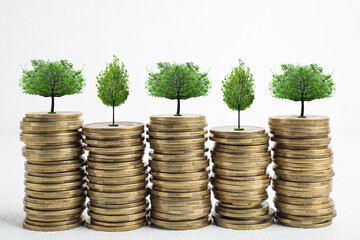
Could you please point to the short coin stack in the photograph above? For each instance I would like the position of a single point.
(54, 178)
(117, 176)
(180, 196)
(240, 159)
(303, 181)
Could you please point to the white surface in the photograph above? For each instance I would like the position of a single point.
(213, 34)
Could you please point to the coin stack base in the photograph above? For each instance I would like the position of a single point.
(303, 181)
(117, 176)
(240, 179)
(180, 196)
(54, 178)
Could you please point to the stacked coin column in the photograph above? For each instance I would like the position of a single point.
(303, 160)
(117, 176)
(240, 159)
(180, 196)
(54, 175)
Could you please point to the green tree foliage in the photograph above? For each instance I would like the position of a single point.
(238, 89)
(52, 79)
(112, 85)
(302, 83)
(178, 81)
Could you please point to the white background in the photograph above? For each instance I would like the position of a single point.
(214, 35)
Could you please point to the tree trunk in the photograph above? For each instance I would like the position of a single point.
(113, 117)
(178, 107)
(238, 118)
(302, 108)
(52, 104)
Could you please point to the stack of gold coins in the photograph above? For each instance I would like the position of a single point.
(240, 159)
(180, 196)
(117, 176)
(303, 181)
(54, 178)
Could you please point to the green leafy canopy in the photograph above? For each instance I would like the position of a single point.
(302, 83)
(178, 81)
(238, 88)
(112, 84)
(52, 79)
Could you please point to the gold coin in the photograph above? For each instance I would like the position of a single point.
(142, 192)
(181, 195)
(251, 193)
(170, 149)
(53, 206)
(303, 188)
(46, 180)
(117, 188)
(171, 119)
(168, 205)
(294, 133)
(326, 172)
(240, 157)
(177, 142)
(177, 167)
(310, 207)
(180, 199)
(113, 135)
(295, 120)
(244, 221)
(302, 184)
(177, 135)
(93, 226)
(103, 127)
(116, 158)
(51, 228)
(239, 188)
(53, 224)
(319, 142)
(302, 200)
(240, 173)
(117, 180)
(176, 128)
(308, 220)
(183, 157)
(201, 158)
(240, 149)
(55, 195)
(117, 224)
(52, 154)
(180, 184)
(51, 138)
(242, 141)
(180, 225)
(117, 211)
(230, 132)
(114, 143)
(182, 215)
(305, 161)
(116, 201)
(117, 218)
(298, 224)
(115, 150)
(302, 194)
(303, 154)
(54, 213)
(194, 176)
(33, 168)
(66, 217)
(240, 226)
(53, 175)
(242, 213)
(244, 204)
(58, 201)
(241, 165)
(114, 166)
(45, 127)
(117, 173)
(54, 187)
(242, 178)
(58, 116)
(179, 190)
(120, 206)
(264, 181)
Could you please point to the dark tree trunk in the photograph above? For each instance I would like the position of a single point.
(113, 117)
(178, 107)
(52, 104)
(238, 118)
(302, 108)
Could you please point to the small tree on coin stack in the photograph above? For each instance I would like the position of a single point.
(178, 81)
(302, 83)
(52, 79)
(112, 85)
(238, 90)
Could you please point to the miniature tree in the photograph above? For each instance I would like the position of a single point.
(52, 79)
(178, 81)
(238, 90)
(302, 83)
(112, 85)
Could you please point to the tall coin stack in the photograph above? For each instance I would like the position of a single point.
(303, 181)
(180, 196)
(54, 178)
(117, 176)
(240, 179)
